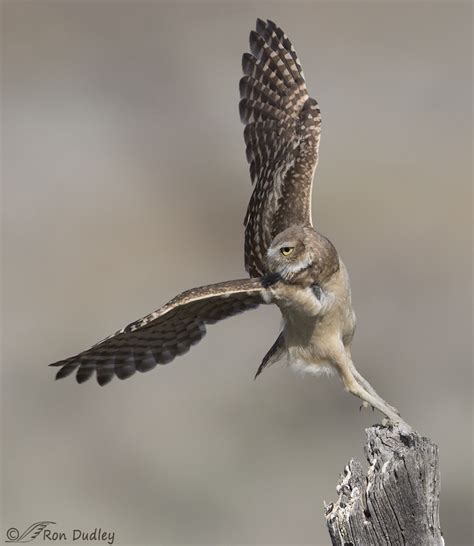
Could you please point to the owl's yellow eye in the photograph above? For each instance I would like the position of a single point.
(286, 250)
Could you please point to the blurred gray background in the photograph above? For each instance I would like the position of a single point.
(125, 182)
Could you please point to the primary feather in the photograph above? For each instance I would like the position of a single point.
(166, 333)
(282, 130)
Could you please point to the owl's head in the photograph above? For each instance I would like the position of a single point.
(299, 249)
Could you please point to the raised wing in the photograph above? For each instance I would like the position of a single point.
(166, 333)
(282, 137)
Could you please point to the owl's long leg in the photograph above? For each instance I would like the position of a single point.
(354, 387)
(368, 387)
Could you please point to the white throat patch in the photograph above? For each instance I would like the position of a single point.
(289, 269)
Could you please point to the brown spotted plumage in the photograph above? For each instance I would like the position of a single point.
(164, 334)
(291, 265)
(282, 129)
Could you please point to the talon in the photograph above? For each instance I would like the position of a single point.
(365, 405)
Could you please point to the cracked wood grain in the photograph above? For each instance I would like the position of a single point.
(397, 502)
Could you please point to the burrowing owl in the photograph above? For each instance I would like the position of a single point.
(289, 262)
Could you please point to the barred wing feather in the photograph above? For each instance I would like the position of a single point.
(282, 130)
(166, 333)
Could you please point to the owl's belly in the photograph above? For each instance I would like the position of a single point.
(301, 365)
(309, 350)
(317, 324)
(314, 342)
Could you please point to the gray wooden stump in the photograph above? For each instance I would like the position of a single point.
(397, 503)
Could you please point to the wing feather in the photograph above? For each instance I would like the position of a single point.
(282, 130)
(165, 333)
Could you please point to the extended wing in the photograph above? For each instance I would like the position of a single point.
(282, 138)
(166, 333)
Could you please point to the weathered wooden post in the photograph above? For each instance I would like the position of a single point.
(397, 503)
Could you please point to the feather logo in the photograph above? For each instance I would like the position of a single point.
(13, 535)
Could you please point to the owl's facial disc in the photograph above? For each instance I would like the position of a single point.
(287, 256)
